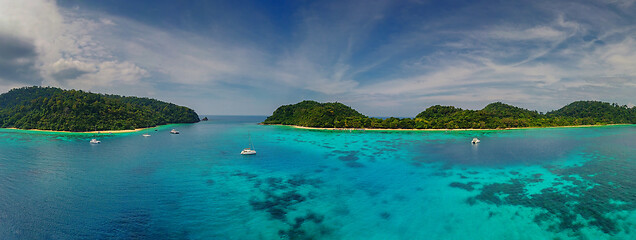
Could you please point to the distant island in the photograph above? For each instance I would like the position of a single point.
(494, 116)
(55, 109)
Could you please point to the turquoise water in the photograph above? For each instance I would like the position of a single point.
(560, 183)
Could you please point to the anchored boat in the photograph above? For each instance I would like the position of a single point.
(250, 150)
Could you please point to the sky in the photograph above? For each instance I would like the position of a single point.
(383, 58)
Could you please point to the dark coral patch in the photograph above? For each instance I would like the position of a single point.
(590, 196)
(349, 157)
(355, 164)
(296, 230)
(299, 180)
(245, 174)
(277, 205)
(465, 186)
(279, 197)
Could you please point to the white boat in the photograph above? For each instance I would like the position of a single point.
(174, 131)
(475, 141)
(250, 150)
(94, 140)
(146, 135)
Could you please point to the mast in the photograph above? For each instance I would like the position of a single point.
(250, 139)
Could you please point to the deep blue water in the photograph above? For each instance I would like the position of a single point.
(558, 183)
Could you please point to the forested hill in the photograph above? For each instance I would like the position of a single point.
(313, 114)
(599, 111)
(49, 108)
(502, 110)
(494, 116)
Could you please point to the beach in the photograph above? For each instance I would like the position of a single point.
(459, 129)
(98, 132)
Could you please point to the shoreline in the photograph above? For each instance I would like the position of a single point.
(438, 130)
(97, 132)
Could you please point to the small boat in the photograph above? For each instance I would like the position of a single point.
(94, 140)
(174, 131)
(146, 135)
(250, 150)
(475, 141)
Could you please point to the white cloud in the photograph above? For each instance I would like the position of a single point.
(331, 52)
(110, 73)
(503, 63)
(618, 59)
(535, 33)
(621, 3)
(328, 39)
(66, 46)
(305, 74)
(64, 64)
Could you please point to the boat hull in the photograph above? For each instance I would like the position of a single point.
(248, 152)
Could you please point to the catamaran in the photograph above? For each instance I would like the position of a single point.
(250, 150)
(174, 131)
(475, 141)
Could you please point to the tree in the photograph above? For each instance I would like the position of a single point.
(50, 108)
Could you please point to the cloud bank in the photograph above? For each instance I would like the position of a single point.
(381, 57)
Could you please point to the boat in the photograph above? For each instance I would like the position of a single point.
(146, 135)
(174, 131)
(94, 140)
(475, 141)
(250, 150)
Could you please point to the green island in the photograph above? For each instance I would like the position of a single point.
(494, 116)
(55, 109)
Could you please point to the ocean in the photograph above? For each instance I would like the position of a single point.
(552, 183)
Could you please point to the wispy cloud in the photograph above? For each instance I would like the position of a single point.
(329, 34)
(382, 57)
(540, 66)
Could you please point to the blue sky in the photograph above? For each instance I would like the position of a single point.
(383, 58)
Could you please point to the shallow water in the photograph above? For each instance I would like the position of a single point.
(559, 183)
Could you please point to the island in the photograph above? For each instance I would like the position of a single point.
(55, 109)
(496, 115)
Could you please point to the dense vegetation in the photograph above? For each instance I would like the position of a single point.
(49, 108)
(313, 114)
(597, 111)
(494, 116)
